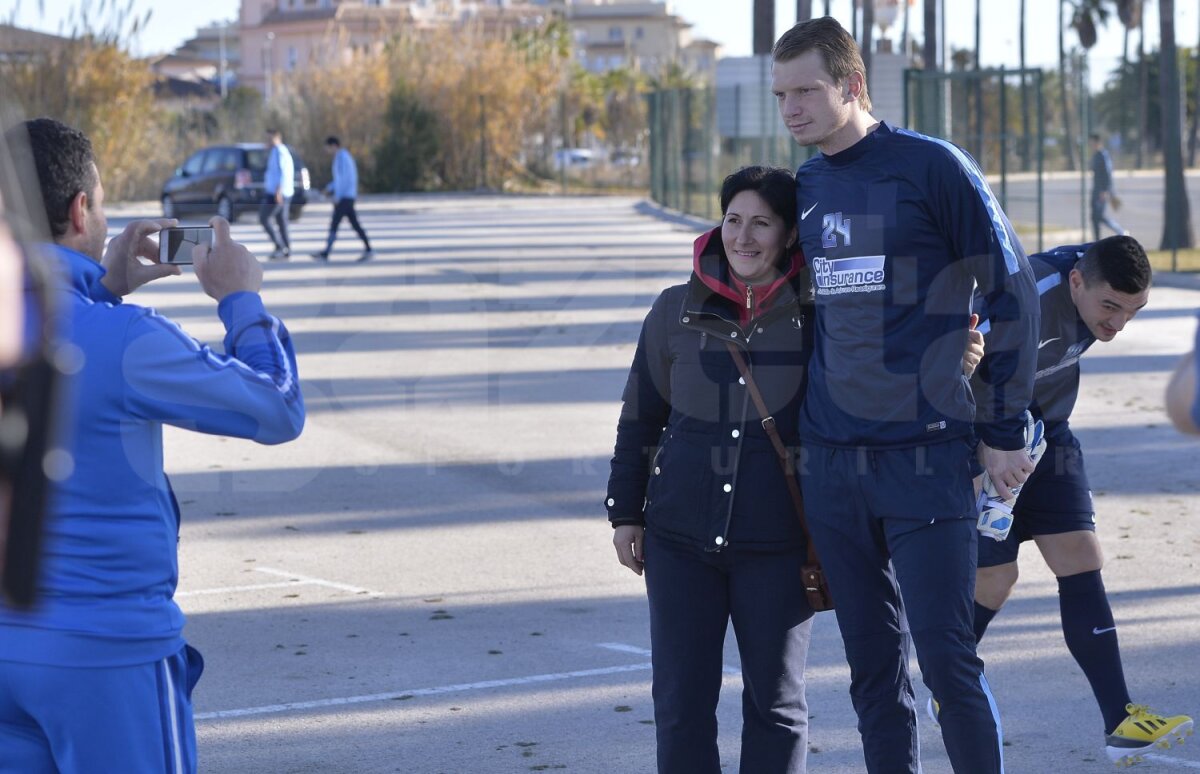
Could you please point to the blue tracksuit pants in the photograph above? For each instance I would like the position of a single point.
(693, 596)
(897, 577)
(95, 720)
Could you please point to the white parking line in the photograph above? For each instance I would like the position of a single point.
(317, 581)
(230, 589)
(293, 579)
(395, 695)
(623, 648)
(1171, 761)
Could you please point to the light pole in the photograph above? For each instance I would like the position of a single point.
(268, 56)
(221, 70)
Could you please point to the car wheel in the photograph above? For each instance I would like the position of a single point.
(225, 209)
(294, 214)
(168, 205)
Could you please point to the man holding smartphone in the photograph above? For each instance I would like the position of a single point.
(96, 675)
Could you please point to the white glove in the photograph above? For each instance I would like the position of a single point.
(995, 514)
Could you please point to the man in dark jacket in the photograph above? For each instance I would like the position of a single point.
(1102, 189)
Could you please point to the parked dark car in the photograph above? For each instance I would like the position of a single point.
(227, 180)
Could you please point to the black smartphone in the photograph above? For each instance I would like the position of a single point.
(175, 244)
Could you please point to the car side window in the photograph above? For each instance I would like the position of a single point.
(256, 158)
(222, 160)
(193, 165)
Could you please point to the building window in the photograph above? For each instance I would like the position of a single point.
(616, 33)
(639, 33)
(292, 58)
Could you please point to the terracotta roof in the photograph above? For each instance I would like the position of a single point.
(17, 40)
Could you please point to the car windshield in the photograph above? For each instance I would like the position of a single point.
(256, 158)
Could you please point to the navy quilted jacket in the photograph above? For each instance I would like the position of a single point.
(692, 461)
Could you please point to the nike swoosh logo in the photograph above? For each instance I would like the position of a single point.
(1098, 630)
(1047, 341)
(805, 214)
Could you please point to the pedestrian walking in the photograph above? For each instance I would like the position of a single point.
(344, 190)
(1103, 194)
(279, 185)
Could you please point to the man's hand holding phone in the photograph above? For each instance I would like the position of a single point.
(225, 267)
(124, 271)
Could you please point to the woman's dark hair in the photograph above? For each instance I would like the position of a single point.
(775, 185)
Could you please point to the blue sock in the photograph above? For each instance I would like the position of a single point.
(1091, 636)
(983, 617)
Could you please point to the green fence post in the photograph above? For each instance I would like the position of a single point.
(1003, 141)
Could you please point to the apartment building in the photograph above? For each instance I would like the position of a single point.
(279, 36)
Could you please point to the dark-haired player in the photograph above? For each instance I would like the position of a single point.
(1088, 294)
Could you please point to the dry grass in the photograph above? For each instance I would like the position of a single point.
(1186, 260)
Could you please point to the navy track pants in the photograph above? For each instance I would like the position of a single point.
(693, 595)
(895, 580)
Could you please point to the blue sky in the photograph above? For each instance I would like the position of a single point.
(174, 21)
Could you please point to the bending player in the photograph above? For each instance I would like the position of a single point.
(1088, 294)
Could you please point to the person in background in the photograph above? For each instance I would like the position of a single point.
(344, 190)
(1102, 189)
(96, 675)
(279, 185)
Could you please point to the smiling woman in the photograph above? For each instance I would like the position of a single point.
(754, 237)
(697, 497)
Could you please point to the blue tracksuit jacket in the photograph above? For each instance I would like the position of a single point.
(1063, 338)
(110, 565)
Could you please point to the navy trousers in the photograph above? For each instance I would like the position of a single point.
(344, 208)
(1100, 217)
(693, 595)
(897, 579)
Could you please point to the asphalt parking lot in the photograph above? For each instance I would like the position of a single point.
(424, 582)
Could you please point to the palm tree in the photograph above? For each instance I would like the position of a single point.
(1130, 14)
(977, 91)
(1084, 15)
(1177, 220)
(931, 41)
(1069, 135)
(1195, 130)
(868, 34)
(1143, 91)
(1025, 118)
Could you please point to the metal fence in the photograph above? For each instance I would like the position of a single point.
(1024, 127)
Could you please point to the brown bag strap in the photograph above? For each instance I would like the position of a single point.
(785, 456)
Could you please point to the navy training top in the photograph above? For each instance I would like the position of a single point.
(898, 229)
(1062, 338)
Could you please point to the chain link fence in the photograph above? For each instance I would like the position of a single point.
(1027, 129)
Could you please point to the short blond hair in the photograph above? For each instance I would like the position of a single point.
(838, 50)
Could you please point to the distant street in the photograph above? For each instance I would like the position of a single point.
(425, 582)
(1141, 212)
